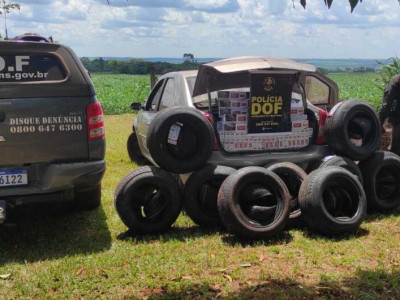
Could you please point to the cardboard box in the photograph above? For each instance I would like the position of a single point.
(241, 127)
(299, 125)
(297, 110)
(298, 117)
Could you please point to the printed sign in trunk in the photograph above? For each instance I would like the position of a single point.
(269, 109)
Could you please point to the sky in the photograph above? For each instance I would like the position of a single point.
(214, 28)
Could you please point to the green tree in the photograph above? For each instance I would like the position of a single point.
(5, 9)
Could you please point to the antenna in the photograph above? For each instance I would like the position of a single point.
(5, 18)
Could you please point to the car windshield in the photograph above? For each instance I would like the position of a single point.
(201, 101)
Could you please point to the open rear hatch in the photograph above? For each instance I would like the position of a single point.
(258, 105)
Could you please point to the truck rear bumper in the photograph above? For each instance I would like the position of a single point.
(51, 178)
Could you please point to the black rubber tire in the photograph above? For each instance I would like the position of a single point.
(293, 176)
(132, 145)
(88, 198)
(344, 162)
(332, 201)
(381, 174)
(201, 194)
(353, 119)
(148, 200)
(194, 144)
(241, 216)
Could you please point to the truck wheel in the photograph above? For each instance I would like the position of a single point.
(353, 129)
(381, 173)
(180, 139)
(133, 148)
(332, 201)
(292, 175)
(148, 200)
(88, 198)
(344, 162)
(257, 218)
(201, 194)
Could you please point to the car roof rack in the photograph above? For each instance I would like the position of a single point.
(33, 37)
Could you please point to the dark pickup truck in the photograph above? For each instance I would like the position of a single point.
(52, 141)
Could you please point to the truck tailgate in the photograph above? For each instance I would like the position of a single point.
(36, 130)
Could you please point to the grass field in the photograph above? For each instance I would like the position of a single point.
(55, 254)
(361, 86)
(117, 92)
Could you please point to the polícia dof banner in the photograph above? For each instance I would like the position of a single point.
(270, 96)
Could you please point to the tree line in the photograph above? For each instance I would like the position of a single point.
(135, 66)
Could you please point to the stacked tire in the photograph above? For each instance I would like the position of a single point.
(259, 202)
(353, 130)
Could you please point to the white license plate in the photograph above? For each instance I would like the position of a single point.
(10, 177)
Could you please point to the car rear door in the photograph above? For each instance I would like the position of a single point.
(43, 101)
(161, 97)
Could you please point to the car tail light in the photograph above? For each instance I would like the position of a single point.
(209, 117)
(323, 114)
(95, 121)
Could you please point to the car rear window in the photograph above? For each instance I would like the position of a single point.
(31, 68)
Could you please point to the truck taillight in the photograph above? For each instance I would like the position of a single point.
(95, 121)
(323, 114)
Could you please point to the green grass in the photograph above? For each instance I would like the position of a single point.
(117, 92)
(89, 255)
(361, 86)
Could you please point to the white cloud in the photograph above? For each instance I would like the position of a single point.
(215, 28)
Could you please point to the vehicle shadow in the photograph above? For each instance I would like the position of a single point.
(281, 238)
(360, 232)
(195, 232)
(363, 284)
(372, 217)
(52, 231)
(175, 233)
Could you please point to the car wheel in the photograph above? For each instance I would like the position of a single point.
(254, 217)
(180, 139)
(292, 175)
(134, 152)
(353, 129)
(201, 194)
(332, 201)
(88, 198)
(148, 200)
(381, 174)
(344, 162)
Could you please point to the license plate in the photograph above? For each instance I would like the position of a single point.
(10, 177)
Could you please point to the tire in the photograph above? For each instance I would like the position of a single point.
(241, 214)
(332, 201)
(381, 174)
(293, 176)
(201, 194)
(344, 162)
(351, 122)
(132, 145)
(88, 198)
(148, 200)
(194, 143)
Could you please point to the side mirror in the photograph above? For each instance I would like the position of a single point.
(136, 106)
